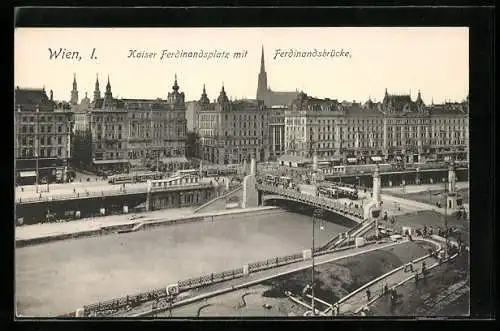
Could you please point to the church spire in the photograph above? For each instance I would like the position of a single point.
(262, 65)
(97, 91)
(108, 95)
(262, 87)
(74, 91)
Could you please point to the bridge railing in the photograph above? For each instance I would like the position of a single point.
(128, 302)
(103, 193)
(315, 200)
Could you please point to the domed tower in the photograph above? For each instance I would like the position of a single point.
(420, 103)
(175, 97)
(86, 100)
(223, 101)
(74, 91)
(204, 100)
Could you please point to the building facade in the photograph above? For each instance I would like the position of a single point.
(276, 131)
(132, 134)
(396, 129)
(109, 133)
(233, 131)
(157, 131)
(42, 137)
(192, 116)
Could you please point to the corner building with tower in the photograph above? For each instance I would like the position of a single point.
(133, 134)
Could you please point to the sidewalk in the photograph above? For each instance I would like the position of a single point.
(423, 187)
(92, 187)
(360, 299)
(408, 205)
(196, 296)
(29, 232)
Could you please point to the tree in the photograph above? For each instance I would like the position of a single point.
(192, 144)
(81, 156)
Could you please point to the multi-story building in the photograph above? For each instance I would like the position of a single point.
(397, 129)
(449, 131)
(42, 137)
(192, 115)
(109, 133)
(157, 131)
(276, 131)
(233, 131)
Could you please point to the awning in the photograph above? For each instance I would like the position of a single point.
(170, 160)
(110, 161)
(294, 158)
(376, 158)
(352, 159)
(135, 162)
(25, 174)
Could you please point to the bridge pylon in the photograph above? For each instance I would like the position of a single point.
(250, 193)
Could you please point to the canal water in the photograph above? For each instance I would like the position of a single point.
(59, 277)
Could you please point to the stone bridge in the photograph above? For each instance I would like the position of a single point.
(269, 192)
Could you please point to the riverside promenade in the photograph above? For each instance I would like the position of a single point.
(48, 230)
(195, 298)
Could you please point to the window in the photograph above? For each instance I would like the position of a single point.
(59, 151)
(59, 140)
(59, 128)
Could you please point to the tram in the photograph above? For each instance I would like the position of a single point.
(139, 177)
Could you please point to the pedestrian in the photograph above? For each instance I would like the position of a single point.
(386, 288)
(22, 189)
(368, 295)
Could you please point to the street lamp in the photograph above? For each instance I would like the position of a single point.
(446, 216)
(318, 213)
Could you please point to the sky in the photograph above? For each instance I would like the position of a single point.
(403, 60)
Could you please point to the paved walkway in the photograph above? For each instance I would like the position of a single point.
(407, 205)
(27, 232)
(422, 188)
(196, 296)
(360, 299)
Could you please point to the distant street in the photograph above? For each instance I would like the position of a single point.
(93, 187)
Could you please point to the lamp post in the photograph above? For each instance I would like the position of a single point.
(446, 217)
(316, 214)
